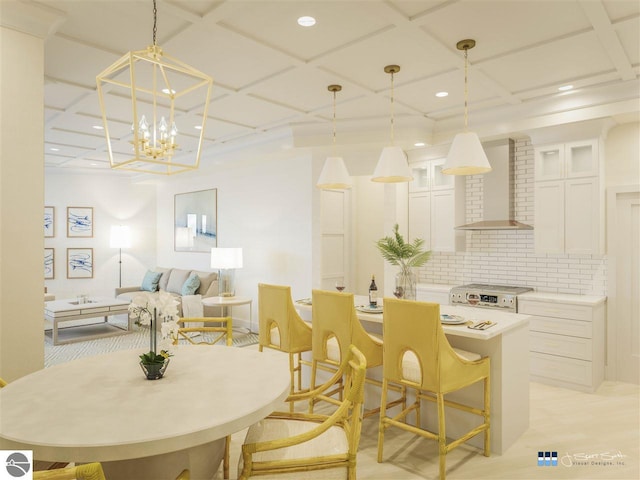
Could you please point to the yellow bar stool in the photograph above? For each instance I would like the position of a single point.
(418, 355)
(335, 325)
(281, 328)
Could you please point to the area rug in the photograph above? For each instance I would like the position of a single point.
(136, 339)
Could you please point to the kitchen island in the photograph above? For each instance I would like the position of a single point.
(506, 343)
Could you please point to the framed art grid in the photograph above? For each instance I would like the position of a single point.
(49, 264)
(79, 222)
(79, 262)
(49, 222)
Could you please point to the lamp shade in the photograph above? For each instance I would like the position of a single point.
(226, 258)
(392, 167)
(334, 175)
(120, 236)
(466, 156)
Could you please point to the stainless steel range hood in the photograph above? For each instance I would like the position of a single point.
(498, 190)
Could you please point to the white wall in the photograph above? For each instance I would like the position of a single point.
(115, 200)
(368, 226)
(622, 155)
(265, 207)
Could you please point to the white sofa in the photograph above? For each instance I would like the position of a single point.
(172, 280)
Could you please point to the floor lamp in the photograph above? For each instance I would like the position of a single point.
(120, 238)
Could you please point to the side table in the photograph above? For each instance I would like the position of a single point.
(229, 302)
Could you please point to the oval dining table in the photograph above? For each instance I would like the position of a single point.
(102, 408)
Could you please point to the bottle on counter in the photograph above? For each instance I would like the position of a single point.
(373, 293)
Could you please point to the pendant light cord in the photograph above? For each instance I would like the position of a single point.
(334, 123)
(155, 21)
(392, 122)
(466, 91)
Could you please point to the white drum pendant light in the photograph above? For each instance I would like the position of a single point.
(334, 175)
(392, 166)
(466, 155)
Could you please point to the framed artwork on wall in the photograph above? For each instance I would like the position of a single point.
(79, 221)
(49, 264)
(196, 221)
(49, 222)
(79, 262)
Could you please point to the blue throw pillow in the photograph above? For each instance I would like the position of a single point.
(191, 285)
(150, 281)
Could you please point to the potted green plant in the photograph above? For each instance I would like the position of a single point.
(397, 251)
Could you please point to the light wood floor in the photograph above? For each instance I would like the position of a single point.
(561, 420)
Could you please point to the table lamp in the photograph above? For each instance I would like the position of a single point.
(226, 260)
(120, 238)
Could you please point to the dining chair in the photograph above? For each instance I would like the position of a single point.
(197, 329)
(418, 355)
(281, 328)
(87, 471)
(335, 326)
(306, 445)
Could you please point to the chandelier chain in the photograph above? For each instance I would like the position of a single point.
(155, 21)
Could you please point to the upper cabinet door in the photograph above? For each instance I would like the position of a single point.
(548, 232)
(440, 181)
(581, 159)
(550, 162)
(421, 177)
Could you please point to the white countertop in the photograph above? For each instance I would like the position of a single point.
(567, 298)
(505, 321)
(101, 408)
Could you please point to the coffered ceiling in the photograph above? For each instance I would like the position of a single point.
(271, 75)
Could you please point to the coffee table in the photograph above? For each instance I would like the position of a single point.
(59, 311)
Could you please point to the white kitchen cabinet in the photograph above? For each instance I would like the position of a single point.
(436, 206)
(569, 199)
(567, 160)
(566, 335)
(428, 176)
(420, 217)
(443, 235)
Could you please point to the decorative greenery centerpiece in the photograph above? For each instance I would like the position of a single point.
(149, 311)
(397, 252)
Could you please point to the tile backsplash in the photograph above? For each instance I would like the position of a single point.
(507, 257)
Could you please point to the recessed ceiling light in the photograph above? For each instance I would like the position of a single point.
(98, 127)
(53, 149)
(564, 88)
(418, 144)
(198, 127)
(167, 91)
(306, 21)
(442, 94)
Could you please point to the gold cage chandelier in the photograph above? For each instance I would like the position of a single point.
(143, 96)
